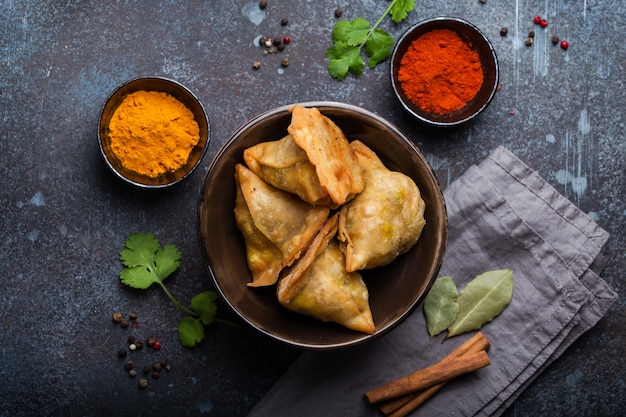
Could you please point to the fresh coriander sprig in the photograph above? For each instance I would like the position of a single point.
(146, 264)
(349, 38)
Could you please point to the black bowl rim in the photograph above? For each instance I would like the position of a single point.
(359, 338)
(105, 155)
(408, 107)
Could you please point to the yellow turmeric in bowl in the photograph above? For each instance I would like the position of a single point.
(152, 133)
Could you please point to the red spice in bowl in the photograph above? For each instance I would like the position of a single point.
(444, 71)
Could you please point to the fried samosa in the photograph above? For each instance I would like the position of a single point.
(285, 220)
(319, 286)
(385, 220)
(286, 166)
(265, 260)
(329, 151)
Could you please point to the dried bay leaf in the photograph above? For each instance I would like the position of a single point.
(482, 299)
(440, 306)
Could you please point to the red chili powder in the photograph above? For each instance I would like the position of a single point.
(439, 72)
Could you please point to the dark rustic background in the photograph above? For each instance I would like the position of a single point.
(64, 217)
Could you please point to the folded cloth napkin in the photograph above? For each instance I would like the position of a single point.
(502, 215)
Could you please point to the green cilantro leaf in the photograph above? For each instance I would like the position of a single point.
(378, 47)
(349, 37)
(353, 33)
(204, 305)
(190, 331)
(145, 263)
(344, 59)
(400, 9)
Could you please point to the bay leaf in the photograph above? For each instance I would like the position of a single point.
(482, 299)
(440, 306)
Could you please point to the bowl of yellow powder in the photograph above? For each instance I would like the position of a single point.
(153, 132)
(444, 71)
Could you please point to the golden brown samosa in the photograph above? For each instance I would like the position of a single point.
(329, 151)
(286, 166)
(285, 220)
(319, 286)
(385, 220)
(265, 259)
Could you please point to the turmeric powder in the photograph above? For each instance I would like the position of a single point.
(152, 133)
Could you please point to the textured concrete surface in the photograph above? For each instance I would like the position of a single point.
(64, 217)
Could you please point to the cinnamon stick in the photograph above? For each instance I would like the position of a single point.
(403, 405)
(468, 357)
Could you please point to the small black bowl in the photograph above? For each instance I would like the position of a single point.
(477, 41)
(179, 92)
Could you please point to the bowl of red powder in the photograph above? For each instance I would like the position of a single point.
(444, 71)
(153, 132)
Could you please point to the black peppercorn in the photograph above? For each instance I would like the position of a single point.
(147, 369)
(156, 366)
(284, 22)
(277, 41)
(124, 323)
(280, 47)
(156, 374)
(131, 338)
(132, 316)
(531, 34)
(151, 341)
(138, 344)
(555, 39)
(285, 62)
(338, 12)
(528, 41)
(262, 4)
(262, 41)
(129, 365)
(117, 317)
(504, 31)
(122, 353)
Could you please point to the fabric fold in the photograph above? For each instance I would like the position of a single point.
(501, 215)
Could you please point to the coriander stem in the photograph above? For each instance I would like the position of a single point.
(378, 22)
(176, 302)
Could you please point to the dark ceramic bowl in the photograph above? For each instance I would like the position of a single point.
(179, 92)
(395, 290)
(478, 42)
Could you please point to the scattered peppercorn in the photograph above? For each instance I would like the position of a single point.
(132, 316)
(132, 347)
(276, 41)
(151, 341)
(504, 31)
(156, 366)
(122, 353)
(284, 22)
(129, 365)
(285, 62)
(117, 317)
(286, 39)
(262, 4)
(268, 42)
(156, 345)
(564, 44)
(262, 41)
(483, 1)
(143, 383)
(124, 323)
(338, 12)
(138, 344)
(135, 324)
(131, 338)
(156, 374)
(531, 34)
(528, 42)
(147, 369)
(555, 39)
(132, 373)
(281, 47)
(543, 23)
(537, 20)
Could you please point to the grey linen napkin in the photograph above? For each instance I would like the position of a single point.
(501, 215)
